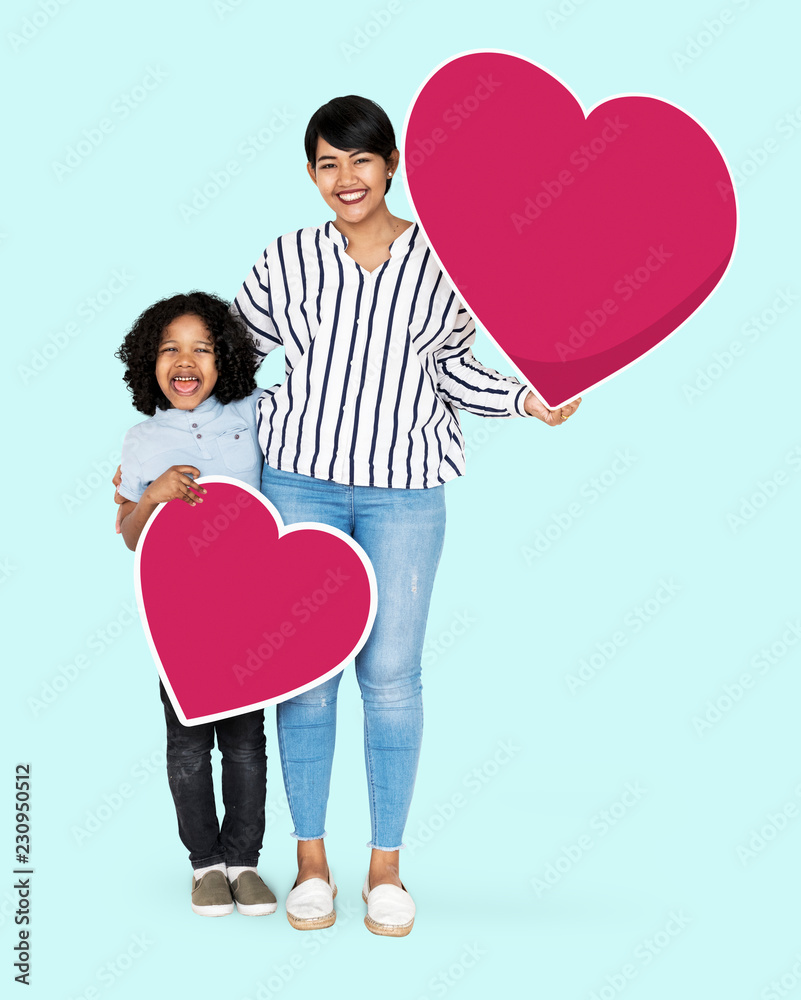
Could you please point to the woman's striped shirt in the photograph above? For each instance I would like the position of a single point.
(377, 363)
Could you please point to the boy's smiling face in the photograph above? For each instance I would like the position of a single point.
(186, 365)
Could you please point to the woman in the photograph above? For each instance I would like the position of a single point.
(362, 435)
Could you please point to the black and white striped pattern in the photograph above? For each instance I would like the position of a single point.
(376, 363)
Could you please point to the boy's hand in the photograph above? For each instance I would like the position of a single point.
(174, 484)
(177, 483)
(119, 499)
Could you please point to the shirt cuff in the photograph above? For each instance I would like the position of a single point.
(124, 491)
(517, 397)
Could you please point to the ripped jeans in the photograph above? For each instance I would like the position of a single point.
(402, 532)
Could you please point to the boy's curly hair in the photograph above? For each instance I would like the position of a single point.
(234, 350)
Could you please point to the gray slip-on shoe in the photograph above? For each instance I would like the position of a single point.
(252, 897)
(211, 895)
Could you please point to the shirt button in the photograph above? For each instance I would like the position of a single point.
(236, 437)
(200, 435)
(194, 425)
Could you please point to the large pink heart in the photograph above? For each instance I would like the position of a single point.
(578, 243)
(241, 612)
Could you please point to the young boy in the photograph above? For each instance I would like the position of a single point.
(191, 369)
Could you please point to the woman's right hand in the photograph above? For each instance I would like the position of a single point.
(115, 481)
(177, 483)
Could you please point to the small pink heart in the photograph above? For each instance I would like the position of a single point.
(578, 243)
(241, 612)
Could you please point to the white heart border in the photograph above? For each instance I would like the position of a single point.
(524, 378)
(282, 530)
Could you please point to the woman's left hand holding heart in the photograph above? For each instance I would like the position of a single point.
(535, 408)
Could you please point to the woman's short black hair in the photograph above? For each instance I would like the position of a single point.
(351, 123)
(234, 350)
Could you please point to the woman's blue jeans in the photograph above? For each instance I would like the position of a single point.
(402, 532)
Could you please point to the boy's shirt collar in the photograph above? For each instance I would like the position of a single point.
(209, 408)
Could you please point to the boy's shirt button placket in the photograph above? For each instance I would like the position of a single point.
(200, 443)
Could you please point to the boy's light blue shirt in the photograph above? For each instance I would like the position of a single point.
(218, 440)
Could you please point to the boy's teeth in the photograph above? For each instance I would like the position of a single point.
(186, 384)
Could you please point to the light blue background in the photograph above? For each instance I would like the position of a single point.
(505, 630)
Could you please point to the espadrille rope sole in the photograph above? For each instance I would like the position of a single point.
(314, 923)
(386, 930)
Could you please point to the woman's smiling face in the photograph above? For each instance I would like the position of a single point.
(186, 365)
(352, 182)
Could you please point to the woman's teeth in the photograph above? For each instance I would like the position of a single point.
(357, 196)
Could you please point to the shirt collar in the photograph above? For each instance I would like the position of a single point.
(208, 409)
(397, 248)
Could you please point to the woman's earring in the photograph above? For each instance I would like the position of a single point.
(390, 173)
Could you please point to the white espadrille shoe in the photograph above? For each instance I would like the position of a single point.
(390, 909)
(310, 905)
